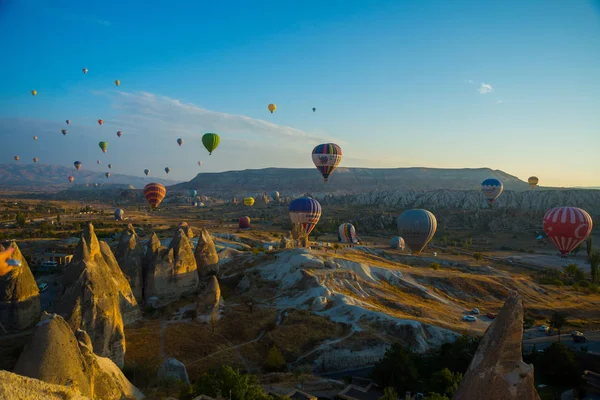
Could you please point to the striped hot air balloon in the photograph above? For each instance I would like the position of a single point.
(567, 227)
(347, 233)
(154, 194)
(327, 157)
(491, 189)
(244, 223)
(249, 201)
(306, 212)
(417, 228)
(397, 243)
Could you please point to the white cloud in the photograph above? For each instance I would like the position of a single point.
(485, 88)
(470, 81)
(499, 101)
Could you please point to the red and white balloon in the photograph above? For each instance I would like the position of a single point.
(567, 227)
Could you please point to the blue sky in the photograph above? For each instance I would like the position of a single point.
(509, 85)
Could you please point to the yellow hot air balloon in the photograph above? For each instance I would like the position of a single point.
(249, 201)
(533, 181)
(33, 92)
(272, 107)
(117, 82)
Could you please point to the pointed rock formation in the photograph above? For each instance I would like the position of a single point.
(206, 255)
(287, 242)
(96, 296)
(19, 297)
(130, 256)
(497, 371)
(17, 387)
(171, 272)
(208, 303)
(56, 355)
(187, 229)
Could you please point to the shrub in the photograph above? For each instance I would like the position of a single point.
(275, 361)
(477, 256)
(584, 284)
(434, 265)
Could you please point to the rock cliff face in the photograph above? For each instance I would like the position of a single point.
(209, 301)
(96, 296)
(56, 355)
(497, 371)
(130, 255)
(171, 272)
(17, 387)
(187, 229)
(206, 255)
(19, 297)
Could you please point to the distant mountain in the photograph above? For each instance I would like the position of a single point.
(51, 178)
(345, 180)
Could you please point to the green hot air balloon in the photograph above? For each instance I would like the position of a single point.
(417, 227)
(211, 141)
(103, 146)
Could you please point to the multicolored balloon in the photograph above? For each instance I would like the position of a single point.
(193, 193)
(103, 146)
(167, 170)
(210, 141)
(17, 158)
(64, 132)
(272, 108)
(98, 162)
(244, 223)
(100, 121)
(119, 214)
(119, 133)
(397, 243)
(107, 174)
(35, 138)
(417, 227)
(491, 189)
(326, 158)
(180, 142)
(249, 201)
(567, 227)
(533, 181)
(275, 195)
(154, 194)
(35, 159)
(77, 165)
(347, 233)
(109, 166)
(199, 163)
(306, 212)
(146, 171)
(71, 179)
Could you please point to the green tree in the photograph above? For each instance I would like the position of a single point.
(558, 321)
(588, 246)
(226, 381)
(20, 219)
(558, 366)
(58, 218)
(594, 259)
(445, 381)
(436, 396)
(477, 256)
(275, 361)
(389, 393)
(396, 369)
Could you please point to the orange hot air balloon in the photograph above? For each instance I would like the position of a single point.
(71, 178)
(35, 159)
(154, 194)
(100, 121)
(17, 158)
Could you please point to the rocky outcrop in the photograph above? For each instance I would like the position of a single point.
(56, 355)
(497, 371)
(17, 387)
(206, 255)
(288, 242)
(243, 285)
(209, 301)
(130, 256)
(171, 272)
(172, 368)
(19, 297)
(187, 229)
(96, 296)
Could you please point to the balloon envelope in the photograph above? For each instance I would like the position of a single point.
(491, 189)
(249, 201)
(35, 138)
(119, 214)
(146, 171)
(100, 121)
(103, 146)
(306, 212)
(119, 133)
(347, 233)
(17, 158)
(327, 157)
(533, 181)
(210, 141)
(68, 121)
(117, 82)
(64, 132)
(417, 227)
(200, 163)
(107, 174)
(33, 93)
(275, 195)
(35, 159)
(272, 107)
(180, 142)
(193, 193)
(71, 178)
(85, 71)
(244, 222)
(109, 166)
(397, 243)
(167, 170)
(154, 193)
(77, 165)
(567, 227)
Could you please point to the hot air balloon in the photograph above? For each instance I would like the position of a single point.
(68, 122)
(249, 201)
(533, 181)
(146, 171)
(567, 227)
(491, 189)
(417, 227)
(35, 138)
(77, 165)
(107, 174)
(109, 166)
(275, 195)
(117, 82)
(33, 93)
(272, 107)
(98, 162)
(103, 146)
(211, 141)
(71, 178)
(96, 184)
(199, 163)
(154, 194)
(119, 214)
(397, 243)
(194, 204)
(244, 223)
(35, 159)
(306, 212)
(314, 109)
(85, 70)
(64, 132)
(326, 158)
(119, 133)
(100, 121)
(167, 170)
(17, 158)
(347, 233)
(193, 193)
(180, 142)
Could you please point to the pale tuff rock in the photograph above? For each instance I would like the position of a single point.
(130, 255)
(19, 297)
(243, 285)
(55, 355)
(187, 229)
(209, 301)
(288, 242)
(173, 369)
(497, 371)
(206, 255)
(17, 387)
